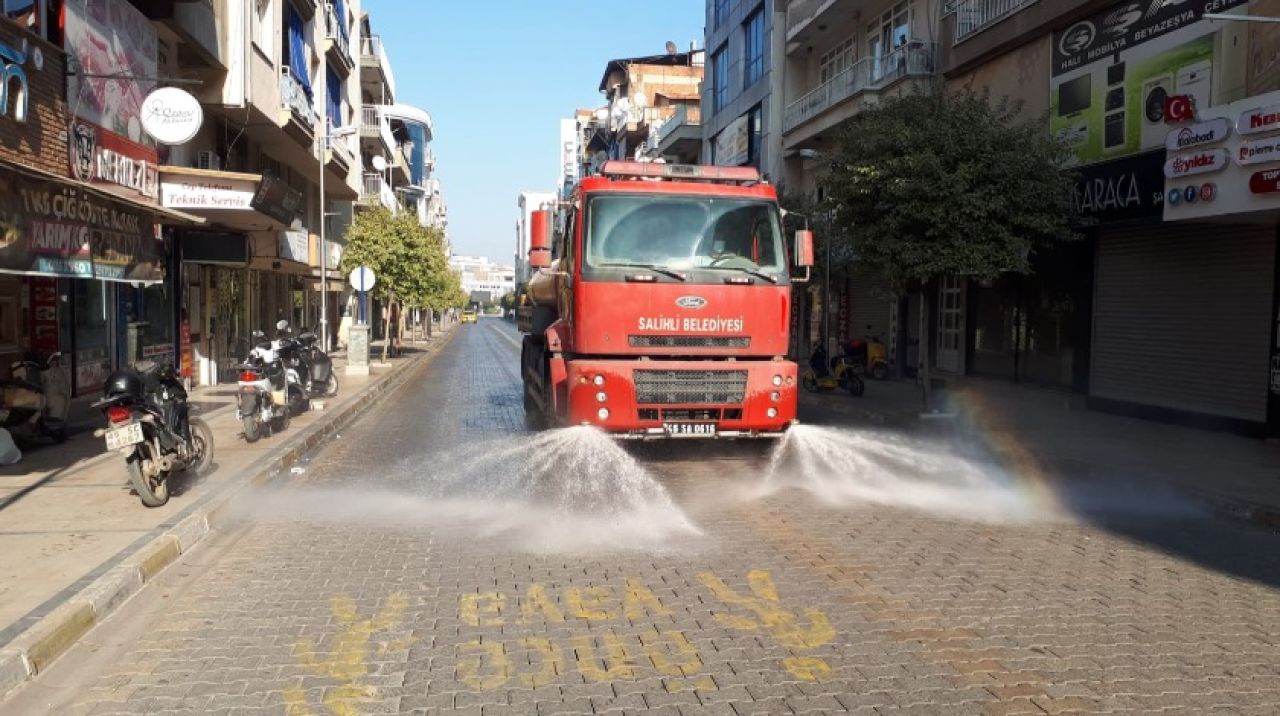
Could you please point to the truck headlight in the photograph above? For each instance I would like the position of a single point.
(601, 397)
(603, 413)
(598, 380)
(777, 380)
(772, 412)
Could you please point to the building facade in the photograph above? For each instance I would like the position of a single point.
(740, 111)
(482, 280)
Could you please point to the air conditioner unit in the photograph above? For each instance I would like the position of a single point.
(208, 160)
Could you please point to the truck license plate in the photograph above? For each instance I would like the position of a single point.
(691, 429)
(130, 434)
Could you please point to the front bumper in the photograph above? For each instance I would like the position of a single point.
(765, 407)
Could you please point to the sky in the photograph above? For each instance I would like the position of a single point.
(497, 76)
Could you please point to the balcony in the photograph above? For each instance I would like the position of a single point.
(195, 23)
(306, 8)
(375, 69)
(298, 115)
(974, 16)
(341, 154)
(800, 13)
(401, 161)
(375, 191)
(868, 75)
(681, 135)
(337, 43)
(375, 131)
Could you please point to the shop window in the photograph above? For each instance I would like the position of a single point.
(92, 301)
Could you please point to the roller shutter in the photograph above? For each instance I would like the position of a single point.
(868, 305)
(1182, 318)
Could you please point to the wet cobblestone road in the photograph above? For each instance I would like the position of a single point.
(415, 567)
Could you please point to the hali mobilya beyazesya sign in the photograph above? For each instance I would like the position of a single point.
(50, 228)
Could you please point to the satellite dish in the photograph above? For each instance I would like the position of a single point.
(671, 47)
(379, 163)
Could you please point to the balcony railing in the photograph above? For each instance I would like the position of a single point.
(685, 115)
(374, 53)
(375, 191)
(974, 16)
(336, 30)
(294, 99)
(373, 124)
(870, 74)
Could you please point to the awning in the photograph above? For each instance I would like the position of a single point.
(163, 215)
(55, 226)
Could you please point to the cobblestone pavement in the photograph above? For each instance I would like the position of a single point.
(367, 585)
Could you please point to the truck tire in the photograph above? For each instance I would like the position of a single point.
(533, 378)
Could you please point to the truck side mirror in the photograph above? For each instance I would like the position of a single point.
(540, 239)
(804, 248)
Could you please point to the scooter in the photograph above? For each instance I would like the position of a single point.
(263, 389)
(312, 366)
(37, 399)
(819, 378)
(869, 356)
(149, 423)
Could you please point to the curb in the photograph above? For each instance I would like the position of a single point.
(32, 651)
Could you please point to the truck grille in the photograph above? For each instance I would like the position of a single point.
(689, 341)
(690, 386)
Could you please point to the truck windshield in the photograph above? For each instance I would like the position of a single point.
(684, 234)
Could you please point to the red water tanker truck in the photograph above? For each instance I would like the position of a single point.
(661, 305)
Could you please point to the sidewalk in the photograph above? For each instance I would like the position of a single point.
(1236, 475)
(68, 519)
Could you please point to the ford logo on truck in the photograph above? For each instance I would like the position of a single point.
(691, 302)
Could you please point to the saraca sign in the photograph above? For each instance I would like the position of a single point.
(57, 229)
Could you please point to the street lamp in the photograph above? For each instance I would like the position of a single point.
(826, 270)
(328, 134)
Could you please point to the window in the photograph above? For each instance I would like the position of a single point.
(24, 12)
(719, 79)
(263, 29)
(753, 136)
(753, 29)
(721, 12)
(886, 36)
(836, 60)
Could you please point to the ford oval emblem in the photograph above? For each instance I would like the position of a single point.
(691, 302)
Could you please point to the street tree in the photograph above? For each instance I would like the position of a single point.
(408, 259)
(946, 184)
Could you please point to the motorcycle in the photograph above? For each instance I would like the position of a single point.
(869, 356)
(819, 378)
(37, 399)
(312, 365)
(149, 423)
(263, 387)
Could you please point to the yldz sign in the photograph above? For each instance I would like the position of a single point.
(1129, 189)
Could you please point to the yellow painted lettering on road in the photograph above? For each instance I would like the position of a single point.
(591, 603)
(536, 600)
(639, 602)
(483, 609)
(771, 617)
(348, 659)
(483, 665)
(552, 659)
(618, 662)
(673, 655)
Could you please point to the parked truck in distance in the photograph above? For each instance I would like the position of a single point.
(661, 305)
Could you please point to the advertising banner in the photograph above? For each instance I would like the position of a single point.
(55, 229)
(733, 144)
(1116, 75)
(109, 38)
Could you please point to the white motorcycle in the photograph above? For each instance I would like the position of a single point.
(268, 389)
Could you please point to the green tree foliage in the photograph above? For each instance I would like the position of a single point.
(407, 258)
(947, 184)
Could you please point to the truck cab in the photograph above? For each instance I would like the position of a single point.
(662, 305)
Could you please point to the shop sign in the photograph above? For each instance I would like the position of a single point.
(171, 115)
(733, 144)
(44, 314)
(1260, 120)
(277, 199)
(1210, 132)
(11, 71)
(101, 157)
(110, 39)
(55, 228)
(188, 353)
(1258, 151)
(201, 193)
(295, 246)
(1126, 189)
(1185, 165)
(1125, 26)
(1265, 182)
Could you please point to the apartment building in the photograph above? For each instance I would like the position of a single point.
(740, 108)
(482, 280)
(642, 93)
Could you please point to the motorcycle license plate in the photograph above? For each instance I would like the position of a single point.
(680, 430)
(130, 434)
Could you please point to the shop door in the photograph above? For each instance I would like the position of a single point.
(951, 324)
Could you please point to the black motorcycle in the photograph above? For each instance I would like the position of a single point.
(149, 422)
(312, 365)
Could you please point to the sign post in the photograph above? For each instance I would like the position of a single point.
(362, 279)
